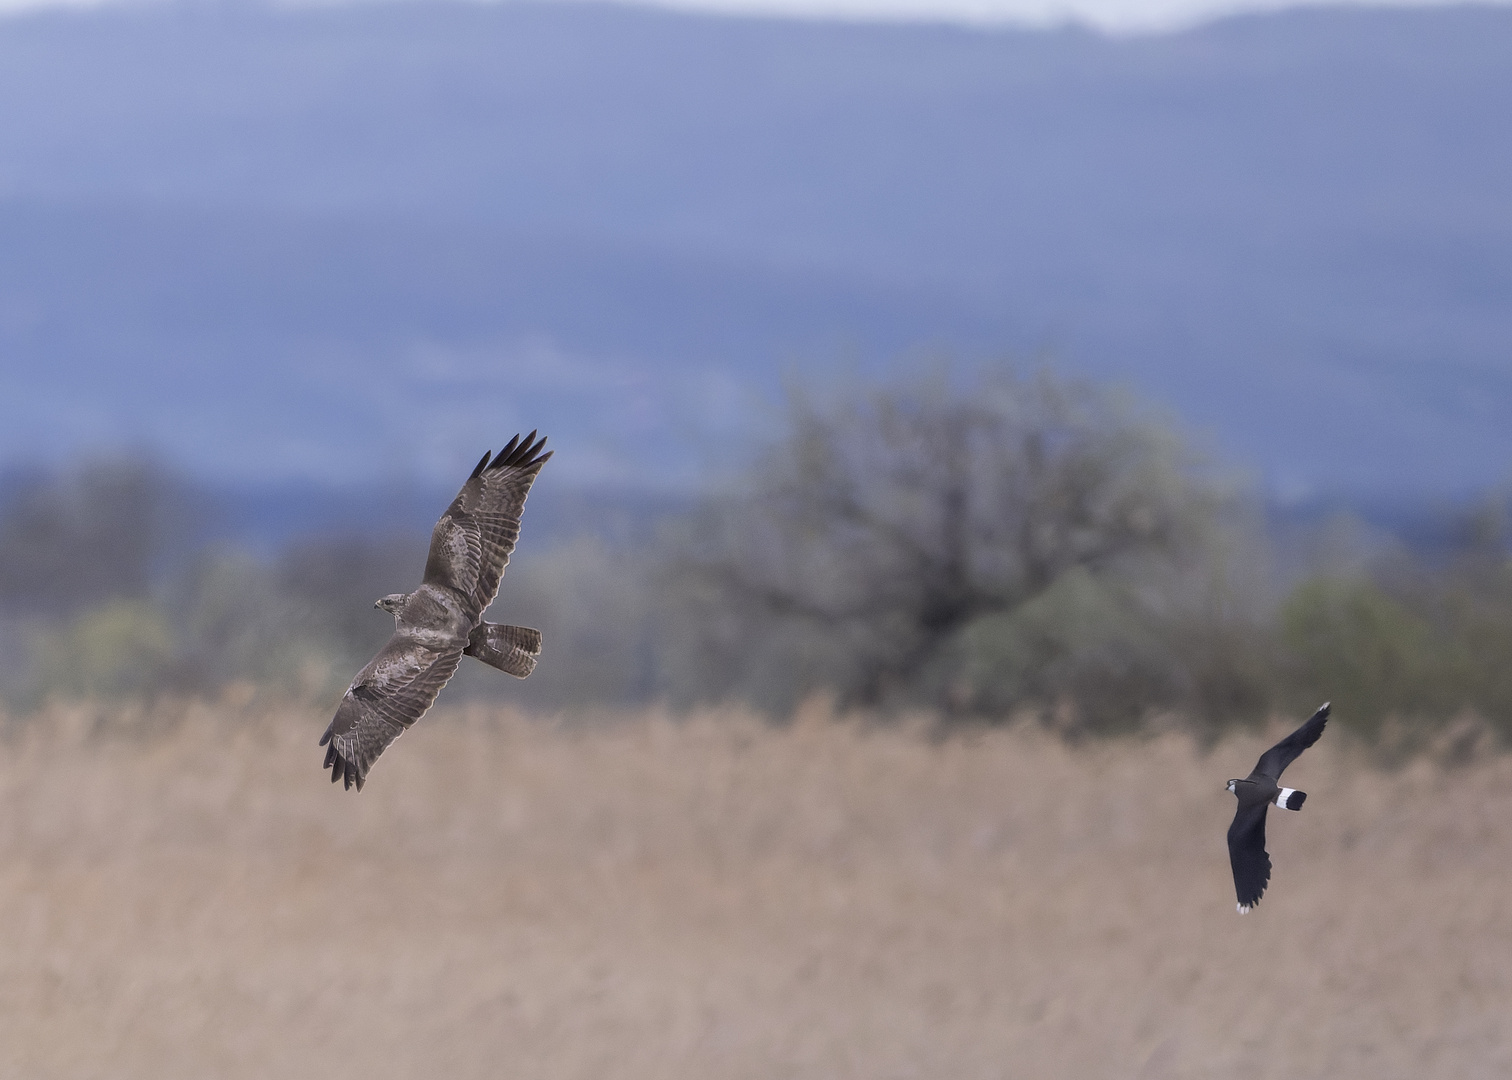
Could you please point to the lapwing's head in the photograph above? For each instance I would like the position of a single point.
(1233, 785)
(391, 603)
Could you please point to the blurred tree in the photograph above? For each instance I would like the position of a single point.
(121, 648)
(96, 533)
(1354, 643)
(333, 581)
(238, 622)
(1018, 540)
(1413, 638)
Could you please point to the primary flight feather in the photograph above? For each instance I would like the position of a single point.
(442, 621)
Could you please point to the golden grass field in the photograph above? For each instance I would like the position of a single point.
(182, 894)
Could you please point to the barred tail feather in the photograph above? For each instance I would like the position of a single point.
(511, 649)
(1291, 799)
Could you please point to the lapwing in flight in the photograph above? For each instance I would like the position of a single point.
(1256, 792)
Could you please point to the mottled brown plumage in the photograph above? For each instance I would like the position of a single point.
(441, 621)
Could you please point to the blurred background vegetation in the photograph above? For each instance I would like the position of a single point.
(1001, 547)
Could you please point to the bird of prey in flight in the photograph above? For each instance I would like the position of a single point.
(442, 621)
(1256, 792)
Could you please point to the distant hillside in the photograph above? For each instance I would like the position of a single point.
(336, 244)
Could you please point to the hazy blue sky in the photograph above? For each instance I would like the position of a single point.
(1117, 15)
(339, 243)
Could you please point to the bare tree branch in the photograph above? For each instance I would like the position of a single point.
(875, 541)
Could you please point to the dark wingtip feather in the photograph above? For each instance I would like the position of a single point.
(330, 757)
(503, 455)
(1320, 718)
(482, 464)
(326, 737)
(520, 453)
(527, 448)
(342, 770)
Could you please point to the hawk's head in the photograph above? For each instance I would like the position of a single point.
(392, 603)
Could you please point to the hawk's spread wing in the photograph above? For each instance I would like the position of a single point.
(1252, 866)
(387, 696)
(1275, 760)
(472, 542)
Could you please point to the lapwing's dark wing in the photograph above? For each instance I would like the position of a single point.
(472, 542)
(1275, 760)
(1252, 866)
(387, 696)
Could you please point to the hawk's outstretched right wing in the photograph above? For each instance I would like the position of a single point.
(472, 542)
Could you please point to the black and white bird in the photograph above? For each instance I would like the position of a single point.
(1256, 792)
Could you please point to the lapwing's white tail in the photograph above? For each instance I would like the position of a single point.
(1291, 799)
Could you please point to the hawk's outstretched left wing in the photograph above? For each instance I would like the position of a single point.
(387, 696)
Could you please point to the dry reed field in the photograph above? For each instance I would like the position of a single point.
(183, 895)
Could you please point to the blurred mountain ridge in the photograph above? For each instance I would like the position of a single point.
(353, 245)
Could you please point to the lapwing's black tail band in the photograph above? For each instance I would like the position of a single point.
(1291, 799)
